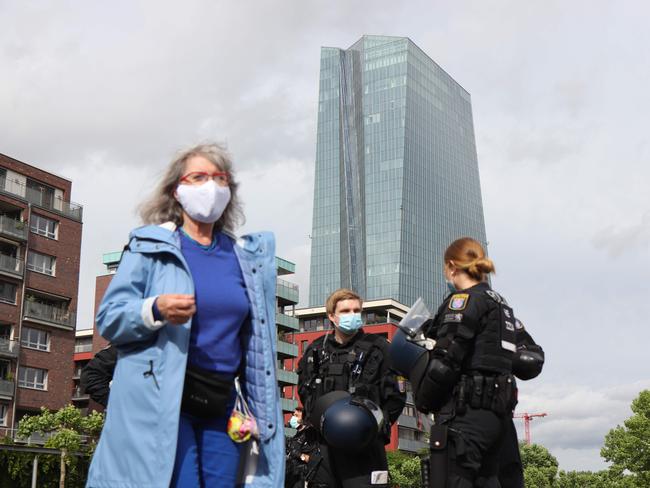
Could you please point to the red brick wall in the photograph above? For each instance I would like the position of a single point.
(101, 284)
(57, 363)
(37, 174)
(66, 249)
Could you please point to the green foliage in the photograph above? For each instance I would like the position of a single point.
(627, 447)
(404, 469)
(66, 429)
(540, 466)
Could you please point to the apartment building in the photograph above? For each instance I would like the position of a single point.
(40, 241)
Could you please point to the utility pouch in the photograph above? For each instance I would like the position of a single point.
(461, 395)
(206, 393)
(439, 456)
(490, 390)
(503, 397)
(476, 396)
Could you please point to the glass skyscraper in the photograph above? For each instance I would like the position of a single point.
(396, 172)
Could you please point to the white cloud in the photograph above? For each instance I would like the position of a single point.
(579, 417)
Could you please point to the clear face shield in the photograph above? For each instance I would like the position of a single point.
(412, 324)
(409, 344)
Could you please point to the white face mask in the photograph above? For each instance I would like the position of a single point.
(204, 203)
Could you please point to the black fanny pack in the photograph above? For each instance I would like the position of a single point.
(206, 394)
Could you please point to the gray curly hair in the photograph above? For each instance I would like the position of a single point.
(163, 207)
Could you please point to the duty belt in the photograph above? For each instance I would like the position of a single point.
(497, 393)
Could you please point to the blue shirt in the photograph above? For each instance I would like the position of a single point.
(222, 305)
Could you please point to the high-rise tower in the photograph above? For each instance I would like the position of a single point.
(396, 172)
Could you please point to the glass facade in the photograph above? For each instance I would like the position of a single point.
(396, 172)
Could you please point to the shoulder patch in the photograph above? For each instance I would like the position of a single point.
(458, 301)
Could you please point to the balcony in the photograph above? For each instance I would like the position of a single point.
(411, 446)
(79, 395)
(40, 198)
(8, 348)
(13, 229)
(7, 388)
(83, 347)
(286, 291)
(285, 322)
(49, 315)
(287, 378)
(286, 350)
(284, 267)
(288, 404)
(12, 266)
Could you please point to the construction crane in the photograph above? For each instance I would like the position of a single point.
(527, 418)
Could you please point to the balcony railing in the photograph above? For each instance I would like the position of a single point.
(48, 313)
(286, 322)
(287, 377)
(286, 290)
(289, 405)
(16, 229)
(8, 347)
(12, 265)
(286, 350)
(42, 199)
(284, 267)
(79, 394)
(83, 347)
(7, 388)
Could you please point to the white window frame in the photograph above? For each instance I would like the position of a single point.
(41, 267)
(27, 378)
(35, 226)
(39, 345)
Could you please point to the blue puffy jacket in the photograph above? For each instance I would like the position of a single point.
(137, 446)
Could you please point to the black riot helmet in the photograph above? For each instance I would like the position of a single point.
(405, 354)
(347, 422)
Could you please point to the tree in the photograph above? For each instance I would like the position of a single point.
(64, 429)
(404, 469)
(540, 466)
(627, 447)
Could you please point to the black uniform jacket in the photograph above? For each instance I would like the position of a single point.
(98, 374)
(384, 382)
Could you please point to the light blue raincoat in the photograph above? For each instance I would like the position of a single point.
(137, 446)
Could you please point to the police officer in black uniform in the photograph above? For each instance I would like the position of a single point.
(467, 379)
(97, 375)
(302, 454)
(351, 361)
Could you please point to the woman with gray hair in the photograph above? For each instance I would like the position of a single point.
(191, 312)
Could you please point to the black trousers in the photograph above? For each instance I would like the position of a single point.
(474, 442)
(351, 469)
(511, 471)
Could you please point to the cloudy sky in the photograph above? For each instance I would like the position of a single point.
(105, 93)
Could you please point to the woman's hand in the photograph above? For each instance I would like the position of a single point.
(176, 309)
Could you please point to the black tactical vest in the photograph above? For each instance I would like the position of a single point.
(494, 345)
(354, 369)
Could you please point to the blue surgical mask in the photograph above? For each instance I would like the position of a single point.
(293, 422)
(450, 285)
(350, 323)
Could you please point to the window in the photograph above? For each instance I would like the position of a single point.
(44, 226)
(40, 193)
(7, 292)
(41, 263)
(35, 339)
(3, 414)
(32, 378)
